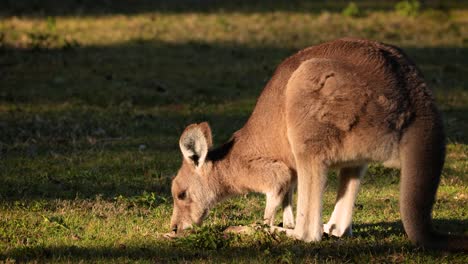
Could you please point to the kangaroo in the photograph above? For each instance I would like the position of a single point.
(337, 105)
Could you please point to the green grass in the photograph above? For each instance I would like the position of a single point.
(93, 99)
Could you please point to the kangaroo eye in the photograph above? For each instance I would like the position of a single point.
(182, 195)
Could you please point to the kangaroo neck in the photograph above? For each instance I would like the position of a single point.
(231, 166)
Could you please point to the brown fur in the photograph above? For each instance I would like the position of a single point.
(341, 105)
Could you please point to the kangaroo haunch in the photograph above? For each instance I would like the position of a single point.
(340, 104)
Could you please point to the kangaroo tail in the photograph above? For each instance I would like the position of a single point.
(422, 153)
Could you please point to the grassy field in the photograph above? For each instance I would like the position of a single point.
(93, 98)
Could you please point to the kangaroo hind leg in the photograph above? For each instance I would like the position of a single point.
(340, 221)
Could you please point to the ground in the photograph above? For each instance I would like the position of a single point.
(93, 98)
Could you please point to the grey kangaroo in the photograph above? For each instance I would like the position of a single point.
(340, 104)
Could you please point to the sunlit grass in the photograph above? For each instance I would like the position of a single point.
(250, 29)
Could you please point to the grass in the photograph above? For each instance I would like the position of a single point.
(93, 99)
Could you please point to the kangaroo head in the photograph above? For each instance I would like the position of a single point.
(192, 190)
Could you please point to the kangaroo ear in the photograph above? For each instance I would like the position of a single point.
(195, 142)
(205, 128)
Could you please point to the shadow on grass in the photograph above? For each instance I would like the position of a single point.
(381, 246)
(138, 73)
(143, 93)
(129, 160)
(184, 76)
(85, 101)
(154, 73)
